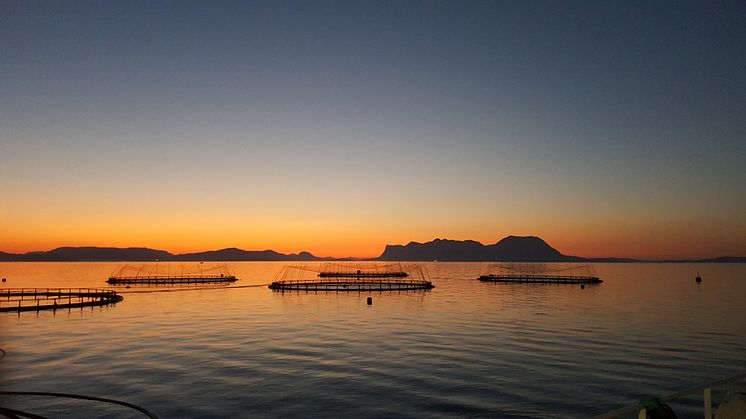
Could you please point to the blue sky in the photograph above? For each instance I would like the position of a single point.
(605, 127)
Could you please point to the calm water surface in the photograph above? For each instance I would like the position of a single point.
(464, 349)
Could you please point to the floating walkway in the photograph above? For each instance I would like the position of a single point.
(172, 273)
(540, 273)
(360, 277)
(36, 299)
(360, 274)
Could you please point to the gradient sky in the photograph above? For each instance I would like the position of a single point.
(608, 128)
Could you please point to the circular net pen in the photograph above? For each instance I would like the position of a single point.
(172, 274)
(540, 273)
(352, 277)
(36, 299)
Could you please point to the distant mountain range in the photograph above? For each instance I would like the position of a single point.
(511, 248)
(141, 254)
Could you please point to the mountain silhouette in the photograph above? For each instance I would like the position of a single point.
(93, 254)
(234, 254)
(141, 254)
(511, 248)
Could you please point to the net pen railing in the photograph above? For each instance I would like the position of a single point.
(351, 276)
(169, 273)
(25, 299)
(539, 272)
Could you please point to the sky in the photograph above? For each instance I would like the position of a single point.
(608, 128)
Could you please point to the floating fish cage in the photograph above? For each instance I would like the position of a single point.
(352, 277)
(358, 270)
(35, 299)
(172, 273)
(540, 273)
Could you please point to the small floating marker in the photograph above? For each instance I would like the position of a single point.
(698, 279)
(370, 301)
(582, 286)
(4, 279)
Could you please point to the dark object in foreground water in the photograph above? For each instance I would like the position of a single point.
(18, 413)
(698, 279)
(370, 301)
(657, 410)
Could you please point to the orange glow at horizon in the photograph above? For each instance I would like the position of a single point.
(359, 227)
(328, 239)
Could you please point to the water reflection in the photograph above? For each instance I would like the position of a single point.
(464, 348)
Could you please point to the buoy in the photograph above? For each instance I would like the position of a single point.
(699, 278)
(3, 279)
(582, 286)
(370, 301)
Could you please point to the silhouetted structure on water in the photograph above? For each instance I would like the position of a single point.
(36, 299)
(352, 277)
(540, 273)
(170, 273)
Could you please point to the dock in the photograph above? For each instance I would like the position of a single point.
(37, 299)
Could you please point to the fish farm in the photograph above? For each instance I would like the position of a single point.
(36, 299)
(352, 277)
(540, 273)
(172, 273)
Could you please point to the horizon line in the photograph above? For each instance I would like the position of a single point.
(597, 258)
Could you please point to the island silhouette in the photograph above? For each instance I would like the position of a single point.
(509, 249)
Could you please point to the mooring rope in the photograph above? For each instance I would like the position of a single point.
(191, 289)
(142, 410)
(15, 414)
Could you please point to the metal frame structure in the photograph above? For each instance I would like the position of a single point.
(352, 276)
(540, 273)
(36, 299)
(171, 273)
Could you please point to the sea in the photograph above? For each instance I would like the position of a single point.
(463, 349)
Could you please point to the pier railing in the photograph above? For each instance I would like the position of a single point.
(641, 409)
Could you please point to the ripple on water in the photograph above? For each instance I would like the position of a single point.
(464, 349)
